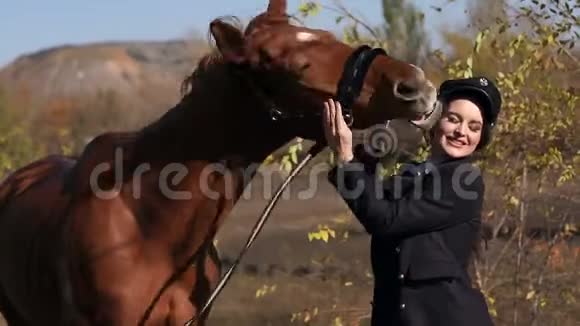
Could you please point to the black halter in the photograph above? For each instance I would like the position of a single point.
(353, 76)
(348, 89)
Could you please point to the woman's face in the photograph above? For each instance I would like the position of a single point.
(459, 130)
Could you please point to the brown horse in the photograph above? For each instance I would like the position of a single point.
(91, 240)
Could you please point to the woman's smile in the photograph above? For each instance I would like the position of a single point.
(455, 142)
(459, 131)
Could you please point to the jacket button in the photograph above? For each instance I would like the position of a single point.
(401, 276)
(402, 306)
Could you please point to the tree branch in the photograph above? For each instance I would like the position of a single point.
(539, 24)
(343, 11)
(521, 231)
(540, 279)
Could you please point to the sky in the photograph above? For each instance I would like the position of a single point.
(27, 26)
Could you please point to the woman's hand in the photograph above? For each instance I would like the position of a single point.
(338, 134)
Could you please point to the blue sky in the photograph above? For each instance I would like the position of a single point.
(30, 25)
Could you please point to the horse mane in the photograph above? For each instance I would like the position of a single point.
(211, 70)
(165, 135)
(207, 64)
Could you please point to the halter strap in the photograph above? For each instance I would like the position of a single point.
(353, 76)
(348, 89)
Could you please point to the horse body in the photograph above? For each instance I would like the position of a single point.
(111, 249)
(122, 251)
(100, 239)
(97, 261)
(31, 207)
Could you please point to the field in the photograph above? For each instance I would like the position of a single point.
(286, 279)
(284, 275)
(334, 276)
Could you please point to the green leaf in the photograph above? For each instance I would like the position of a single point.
(294, 157)
(477, 45)
(467, 73)
(309, 8)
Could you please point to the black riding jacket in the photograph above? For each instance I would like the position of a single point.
(423, 223)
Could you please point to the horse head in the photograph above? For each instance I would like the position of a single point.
(297, 68)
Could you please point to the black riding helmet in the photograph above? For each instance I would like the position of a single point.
(480, 91)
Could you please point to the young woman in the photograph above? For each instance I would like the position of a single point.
(425, 221)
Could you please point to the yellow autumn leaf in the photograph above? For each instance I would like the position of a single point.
(324, 235)
(337, 322)
(514, 201)
(332, 233)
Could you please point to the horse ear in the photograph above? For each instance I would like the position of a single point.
(229, 41)
(276, 8)
(275, 14)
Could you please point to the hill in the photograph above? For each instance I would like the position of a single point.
(146, 74)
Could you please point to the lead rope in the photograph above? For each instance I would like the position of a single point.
(313, 151)
(357, 65)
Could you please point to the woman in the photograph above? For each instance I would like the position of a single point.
(424, 222)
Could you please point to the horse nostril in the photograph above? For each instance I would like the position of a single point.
(406, 91)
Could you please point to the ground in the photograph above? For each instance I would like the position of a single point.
(284, 276)
(333, 277)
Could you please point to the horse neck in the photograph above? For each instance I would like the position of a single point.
(220, 120)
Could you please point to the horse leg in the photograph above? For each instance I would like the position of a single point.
(212, 269)
(124, 301)
(182, 305)
(214, 266)
(208, 271)
(127, 306)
